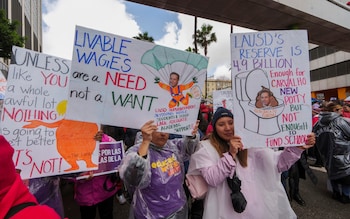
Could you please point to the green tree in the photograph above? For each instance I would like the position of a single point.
(8, 36)
(144, 36)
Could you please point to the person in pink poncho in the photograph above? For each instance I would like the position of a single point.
(259, 169)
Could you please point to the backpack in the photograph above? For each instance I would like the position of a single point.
(17, 208)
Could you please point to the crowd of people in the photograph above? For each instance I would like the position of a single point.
(332, 128)
(155, 164)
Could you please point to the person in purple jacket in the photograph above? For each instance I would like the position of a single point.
(91, 194)
(260, 193)
(154, 171)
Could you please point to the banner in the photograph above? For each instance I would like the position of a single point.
(126, 82)
(110, 157)
(271, 87)
(223, 98)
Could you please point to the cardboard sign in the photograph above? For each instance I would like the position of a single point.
(223, 98)
(271, 87)
(126, 82)
(110, 157)
(33, 118)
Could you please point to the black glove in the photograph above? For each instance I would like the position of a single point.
(194, 79)
(237, 198)
(156, 80)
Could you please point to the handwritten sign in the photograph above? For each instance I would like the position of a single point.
(223, 98)
(110, 157)
(271, 85)
(2, 86)
(33, 120)
(125, 82)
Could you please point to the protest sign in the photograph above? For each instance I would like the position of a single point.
(2, 86)
(271, 85)
(110, 157)
(33, 119)
(223, 98)
(125, 82)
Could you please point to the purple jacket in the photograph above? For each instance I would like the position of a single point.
(158, 179)
(47, 191)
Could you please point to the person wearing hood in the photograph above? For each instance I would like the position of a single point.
(16, 202)
(333, 141)
(153, 170)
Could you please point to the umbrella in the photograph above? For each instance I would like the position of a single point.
(161, 61)
(347, 99)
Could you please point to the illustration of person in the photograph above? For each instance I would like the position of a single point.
(265, 98)
(73, 143)
(176, 89)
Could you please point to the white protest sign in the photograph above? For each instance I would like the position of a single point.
(2, 86)
(33, 120)
(271, 84)
(125, 82)
(223, 98)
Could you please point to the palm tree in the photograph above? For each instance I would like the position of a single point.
(195, 38)
(144, 36)
(204, 37)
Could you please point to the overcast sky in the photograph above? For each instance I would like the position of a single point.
(129, 19)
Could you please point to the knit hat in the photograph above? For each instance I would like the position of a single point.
(7, 167)
(219, 113)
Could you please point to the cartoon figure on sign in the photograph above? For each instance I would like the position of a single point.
(176, 90)
(265, 98)
(182, 69)
(260, 107)
(74, 138)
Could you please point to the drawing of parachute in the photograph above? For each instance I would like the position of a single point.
(161, 61)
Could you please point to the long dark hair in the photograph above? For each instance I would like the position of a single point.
(221, 146)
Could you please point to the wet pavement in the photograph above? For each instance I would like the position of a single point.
(319, 202)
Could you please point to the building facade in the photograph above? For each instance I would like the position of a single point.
(329, 73)
(29, 15)
(216, 84)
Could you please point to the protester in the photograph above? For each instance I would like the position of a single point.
(196, 205)
(222, 158)
(313, 152)
(346, 110)
(117, 134)
(333, 142)
(296, 172)
(153, 170)
(96, 192)
(16, 202)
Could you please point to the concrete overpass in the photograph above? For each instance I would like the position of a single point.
(328, 24)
